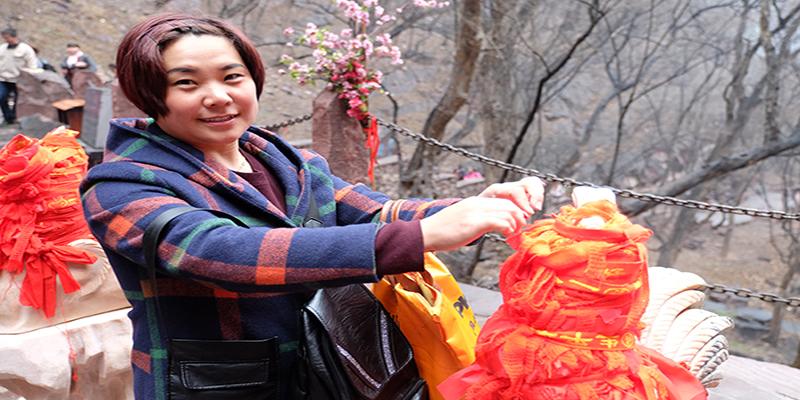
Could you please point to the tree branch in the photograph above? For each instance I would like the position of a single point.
(720, 167)
(595, 15)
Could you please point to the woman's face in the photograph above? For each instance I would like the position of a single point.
(211, 96)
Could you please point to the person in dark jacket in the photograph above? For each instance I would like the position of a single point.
(76, 60)
(199, 79)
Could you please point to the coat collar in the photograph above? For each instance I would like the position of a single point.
(284, 161)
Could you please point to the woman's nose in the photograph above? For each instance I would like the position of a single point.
(216, 95)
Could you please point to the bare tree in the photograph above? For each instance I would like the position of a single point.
(595, 13)
(464, 62)
(786, 243)
(739, 108)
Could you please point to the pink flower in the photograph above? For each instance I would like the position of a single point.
(431, 3)
(355, 102)
(346, 61)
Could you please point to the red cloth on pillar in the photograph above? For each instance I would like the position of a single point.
(567, 328)
(40, 214)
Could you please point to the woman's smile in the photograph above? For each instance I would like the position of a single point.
(219, 120)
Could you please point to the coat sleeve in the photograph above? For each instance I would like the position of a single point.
(357, 203)
(200, 246)
(91, 66)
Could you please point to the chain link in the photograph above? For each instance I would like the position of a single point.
(749, 294)
(715, 288)
(495, 237)
(288, 123)
(648, 197)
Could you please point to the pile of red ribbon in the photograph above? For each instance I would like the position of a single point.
(567, 329)
(40, 214)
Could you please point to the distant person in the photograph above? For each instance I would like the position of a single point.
(14, 57)
(42, 63)
(76, 60)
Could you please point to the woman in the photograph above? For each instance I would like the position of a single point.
(75, 60)
(200, 79)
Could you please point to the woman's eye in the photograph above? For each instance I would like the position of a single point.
(231, 77)
(183, 82)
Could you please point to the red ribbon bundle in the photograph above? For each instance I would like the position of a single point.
(572, 301)
(40, 214)
(373, 142)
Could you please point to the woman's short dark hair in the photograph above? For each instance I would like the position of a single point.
(140, 66)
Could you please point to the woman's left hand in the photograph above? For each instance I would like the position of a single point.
(526, 193)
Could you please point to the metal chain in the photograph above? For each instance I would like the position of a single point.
(495, 237)
(715, 288)
(666, 200)
(749, 294)
(288, 123)
(695, 204)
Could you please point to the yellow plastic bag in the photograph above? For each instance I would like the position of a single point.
(431, 310)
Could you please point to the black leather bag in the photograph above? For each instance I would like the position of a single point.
(212, 369)
(352, 349)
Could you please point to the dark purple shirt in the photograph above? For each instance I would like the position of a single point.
(398, 245)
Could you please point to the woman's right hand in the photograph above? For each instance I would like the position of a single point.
(468, 220)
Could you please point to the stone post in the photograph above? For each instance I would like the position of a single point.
(339, 138)
(37, 92)
(96, 114)
(83, 79)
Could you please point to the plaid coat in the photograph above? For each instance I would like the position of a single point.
(218, 280)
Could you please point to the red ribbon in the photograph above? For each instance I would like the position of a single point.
(40, 214)
(373, 142)
(572, 300)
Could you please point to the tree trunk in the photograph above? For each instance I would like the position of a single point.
(779, 310)
(796, 363)
(771, 130)
(684, 225)
(498, 114)
(467, 50)
(740, 188)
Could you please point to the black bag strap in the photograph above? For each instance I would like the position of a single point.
(152, 235)
(312, 219)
